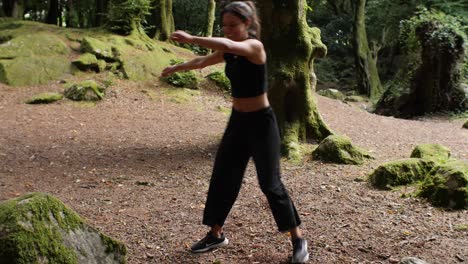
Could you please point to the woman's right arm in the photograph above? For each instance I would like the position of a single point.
(197, 63)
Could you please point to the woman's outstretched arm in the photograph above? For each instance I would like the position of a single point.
(197, 63)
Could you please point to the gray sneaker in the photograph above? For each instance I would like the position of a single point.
(209, 242)
(300, 254)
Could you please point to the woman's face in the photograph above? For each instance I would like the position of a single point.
(234, 28)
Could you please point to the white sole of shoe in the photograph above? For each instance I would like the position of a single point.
(304, 260)
(222, 244)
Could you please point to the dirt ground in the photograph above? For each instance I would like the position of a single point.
(138, 169)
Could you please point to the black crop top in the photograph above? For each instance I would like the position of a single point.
(247, 79)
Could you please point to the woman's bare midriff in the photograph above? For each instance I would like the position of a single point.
(250, 104)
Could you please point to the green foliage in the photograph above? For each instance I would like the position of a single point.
(447, 25)
(220, 79)
(186, 79)
(127, 15)
(190, 15)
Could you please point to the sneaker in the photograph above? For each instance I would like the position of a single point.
(209, 242)
(300, 254)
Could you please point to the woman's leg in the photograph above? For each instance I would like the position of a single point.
(228, 171)
(265, 144)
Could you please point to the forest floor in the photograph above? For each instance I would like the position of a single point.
(137, 167)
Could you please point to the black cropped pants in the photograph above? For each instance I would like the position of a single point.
(256, 135)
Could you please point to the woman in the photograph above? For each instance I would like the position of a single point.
(252, 130)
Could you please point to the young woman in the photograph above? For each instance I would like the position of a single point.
(252, 130)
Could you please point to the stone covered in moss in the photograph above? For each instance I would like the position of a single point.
(354, 98)
(400, 172)
(332, 93)
(87, 90)
(339, 149)
(186, 79)
(447, 185)
(465, 125)
(220, 79)
(435, 152)
(38, 228)
(98, 48)
(88, 61)
(34, 58)
(44, 98)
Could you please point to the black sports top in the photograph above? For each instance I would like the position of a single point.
(247, 79)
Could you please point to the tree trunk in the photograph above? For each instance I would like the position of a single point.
(13, 8)
(164, 20)
(210, 18)
(368, 80)
(53, 13)
(101, 10)
(71, 17)
(291, 47)
(436, 84)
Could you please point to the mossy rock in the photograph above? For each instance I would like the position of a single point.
(186, 79)
(354, 98)
(332, 93)
(98, 48)
(38, 228)
(435, 152)
(87, 90)
(447, 185)
(89, 61)
(339, 149)
(465, 125)
(44, 98)
(33, 58)
(220, 79)
(400, 172)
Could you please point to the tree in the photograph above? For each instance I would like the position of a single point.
(164, 20)
(13, 8)
(210, 18)
(291, 46)
(125, 16)
(368, 80)
(101, 10)
(53, 12)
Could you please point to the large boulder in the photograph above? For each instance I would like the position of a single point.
(87, 90)
(447, 185)
(339, 149)
(34, 58)
(400, 172)
(38, 228)
(435, 152)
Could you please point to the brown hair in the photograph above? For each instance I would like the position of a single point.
(245, 10)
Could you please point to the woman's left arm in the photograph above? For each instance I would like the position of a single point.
(247, 48)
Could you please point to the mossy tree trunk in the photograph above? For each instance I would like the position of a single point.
(164, 19)
(53, 12)
(210, 18)
(436, 84)
(368, 80)
(291, 48)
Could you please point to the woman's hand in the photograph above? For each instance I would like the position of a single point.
(181, 37)
(169, 70)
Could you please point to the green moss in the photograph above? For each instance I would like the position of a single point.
(180, 96)
(447, 185)
(186, 79)
(113, 245)
(220, 79)
(339, 149)
(29, 228)
(400, 172)
(332, 93)
(224, 110)
(97, 47)
(461, 227)
(44, 98)
(435, 152)
(87, 90)
(465, 125)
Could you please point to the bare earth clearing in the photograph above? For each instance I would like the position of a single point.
(138, 169)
